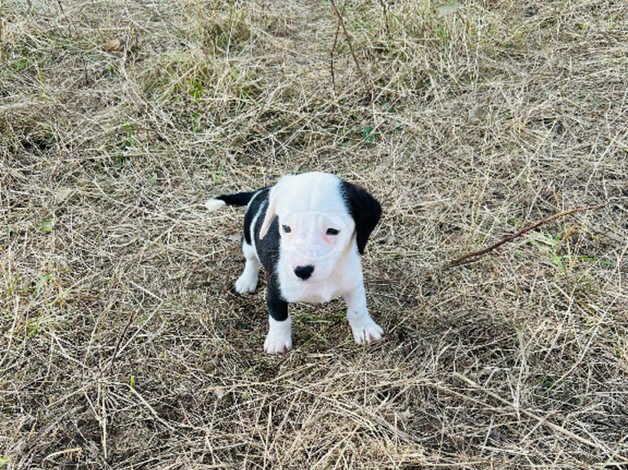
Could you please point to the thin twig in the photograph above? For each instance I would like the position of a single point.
(120, 338)
(332, 53)
(384, 5)
(73, 450)
(471, 257)
(151, 409)
(347, 37)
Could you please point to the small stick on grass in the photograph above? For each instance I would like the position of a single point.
(347, 37)
(119, 342)
(385, 12)
(332, 53)
(474, 255)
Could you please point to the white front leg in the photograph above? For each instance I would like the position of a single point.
(279, 337)
(362, 325)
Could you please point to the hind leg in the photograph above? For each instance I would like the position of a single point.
(247, 282)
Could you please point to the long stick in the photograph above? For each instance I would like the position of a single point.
(471, 257)
(332, 54)
(347, 37)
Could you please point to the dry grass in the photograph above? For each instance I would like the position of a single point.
(121, 343)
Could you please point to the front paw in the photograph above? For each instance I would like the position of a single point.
(277, 344)
(279, 337)
(246, 284)
(365, 330)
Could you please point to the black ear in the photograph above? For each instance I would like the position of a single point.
(365, 211)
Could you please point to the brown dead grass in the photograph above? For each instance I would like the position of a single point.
(121, 343)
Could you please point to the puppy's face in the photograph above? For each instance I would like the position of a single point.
(313, 241)
(316, 224)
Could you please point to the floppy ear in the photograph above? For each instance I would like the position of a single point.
(364, 209)
(271, 210)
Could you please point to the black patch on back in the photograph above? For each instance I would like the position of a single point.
(261, 196)
(365, 210)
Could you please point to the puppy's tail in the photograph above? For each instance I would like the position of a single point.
(237, 199)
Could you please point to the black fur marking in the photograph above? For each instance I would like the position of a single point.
(268, 247)
(277, 306)
(261, 196)
(364, 209)
(268, 252)
(237, 199)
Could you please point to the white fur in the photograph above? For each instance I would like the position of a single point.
(247, 282)
(215, 204)
(310, 203)
(363, 327)
(279, 337)
(346, 276)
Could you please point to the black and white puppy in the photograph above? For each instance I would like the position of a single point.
(309, 232)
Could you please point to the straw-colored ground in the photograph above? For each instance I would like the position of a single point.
(122, 343)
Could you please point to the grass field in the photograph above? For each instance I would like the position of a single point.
(122, 343)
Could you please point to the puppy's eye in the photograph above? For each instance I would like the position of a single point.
(286, 228)
(332, 231)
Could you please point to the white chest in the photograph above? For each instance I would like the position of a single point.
(311, 293)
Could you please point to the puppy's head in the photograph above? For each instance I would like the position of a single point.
(321, 218)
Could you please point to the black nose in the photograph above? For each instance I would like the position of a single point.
(304, 271)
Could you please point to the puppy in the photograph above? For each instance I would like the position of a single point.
(309, 232)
